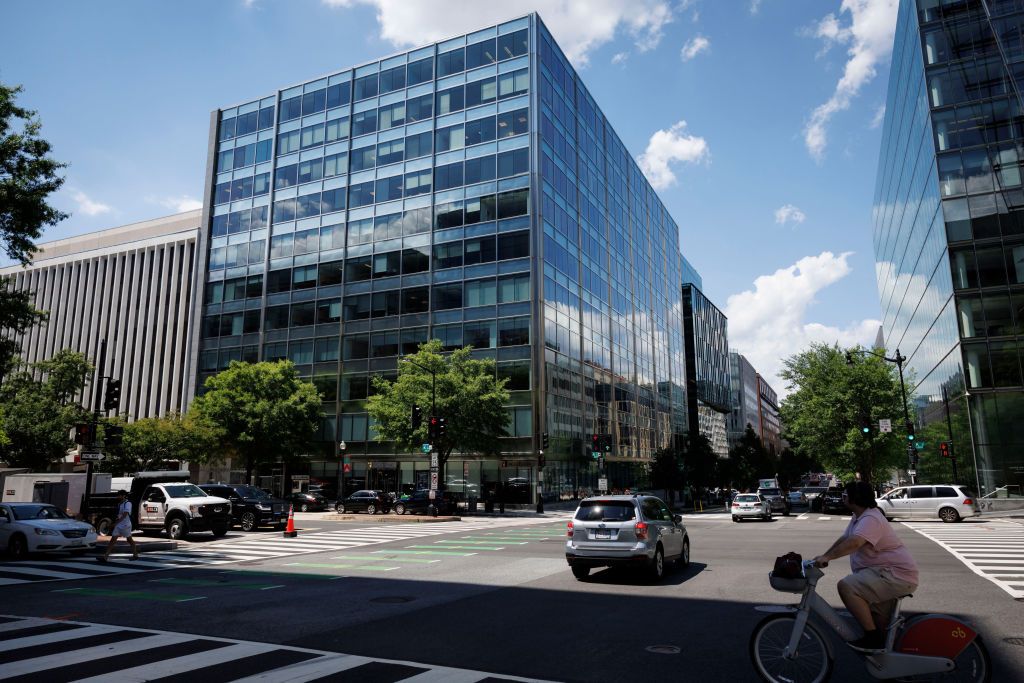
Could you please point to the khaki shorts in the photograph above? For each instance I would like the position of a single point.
(880, 588)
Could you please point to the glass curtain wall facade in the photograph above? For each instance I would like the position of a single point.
(746, 401)
(468, 191)
(949, 230)
(708, 384)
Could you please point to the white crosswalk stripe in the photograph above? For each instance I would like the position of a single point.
(43, 649)
(253, 547)
(991, 549)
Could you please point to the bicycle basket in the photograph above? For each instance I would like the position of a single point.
(797, 585)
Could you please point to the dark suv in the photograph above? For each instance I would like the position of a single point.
(367, 501)
(832, 500)
(420, 501)
(250, 507)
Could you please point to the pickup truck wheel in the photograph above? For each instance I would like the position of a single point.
(248, 521)
(17, 547)
(103, 526)
(177, 528)
(220, 530)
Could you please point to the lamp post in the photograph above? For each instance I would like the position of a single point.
(898, 360)
(433, 415)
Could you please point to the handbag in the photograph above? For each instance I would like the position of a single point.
(788, 566)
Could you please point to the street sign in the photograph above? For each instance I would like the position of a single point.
(602, 484)
(433, 460)
(912, 473)
(433, 481)
(919, 445)
(347, 468)
(427, 447)
(885, 426)
(91, 456)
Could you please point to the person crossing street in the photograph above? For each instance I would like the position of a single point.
(122, 527)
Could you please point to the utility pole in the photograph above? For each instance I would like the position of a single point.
(97, 399)
(909, 426)
(949, 429)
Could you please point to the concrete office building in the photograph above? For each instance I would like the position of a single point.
(470, 191)
(949, 230)
(131, 285)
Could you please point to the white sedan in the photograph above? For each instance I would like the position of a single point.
(750, 505)
(41, 528)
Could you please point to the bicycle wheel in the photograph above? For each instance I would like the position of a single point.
(811, 664)
(973, 665)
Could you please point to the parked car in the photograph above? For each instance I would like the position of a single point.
(251, 507)
(42, 528)
(750, 505)
(832, 500)
(796, 497)
(367, 500)
(308, 502)
(420, 501)
(625, 530)
(776, 500)
(948, 502)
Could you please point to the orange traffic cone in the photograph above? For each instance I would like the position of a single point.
(290, 531)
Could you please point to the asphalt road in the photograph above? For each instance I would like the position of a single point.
(499, 598)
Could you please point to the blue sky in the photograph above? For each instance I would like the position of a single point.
(757, 119)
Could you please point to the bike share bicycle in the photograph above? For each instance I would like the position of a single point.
(790, 648)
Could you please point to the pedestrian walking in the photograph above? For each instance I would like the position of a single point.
(122, 527)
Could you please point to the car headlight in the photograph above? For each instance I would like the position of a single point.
(261, 506)
(46, 532)
(194, 509)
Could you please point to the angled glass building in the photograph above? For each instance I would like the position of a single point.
(469, 191)
(949, 231)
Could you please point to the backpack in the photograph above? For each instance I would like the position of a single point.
(788, 566)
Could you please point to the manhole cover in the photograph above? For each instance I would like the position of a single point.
(1014, 641)
(392, 599)
(775, 608)
(663, 649)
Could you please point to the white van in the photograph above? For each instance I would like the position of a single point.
(948, 502)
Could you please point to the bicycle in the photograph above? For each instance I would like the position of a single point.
(790, 648)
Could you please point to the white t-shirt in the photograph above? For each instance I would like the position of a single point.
(125, 507)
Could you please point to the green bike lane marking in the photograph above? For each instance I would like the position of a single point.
(426, 552)
(385, 557)
(281, 575)
(490, 541)
(453, 546)
(357, 567)
(130, 595)
(226, 584)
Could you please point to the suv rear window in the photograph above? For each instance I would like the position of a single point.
(605, 511)
(945, 492)
(748, 499)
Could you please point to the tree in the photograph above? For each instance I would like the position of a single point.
(40, 409)
(793, 465)
(263, 411)
(830, 403)
(749, 461)
(468, 396)
(27, 177)
(666, 472)
(151, 442)
(700, 462)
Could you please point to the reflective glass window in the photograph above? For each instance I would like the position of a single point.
(415, 300)
(480, 292)
(419, 108)
(453, 137)
(450, 100)
(364, 122)
(448, 176)
(266, 118)
(481, 92)
(392, 79)
(452, 62)
(479, 54)
(339, 94)
(311, 170)
(291, 108)
(513, 162)
(336, 164)
(391, 115)
(337, 129)
(480, 169)
(480, 334)
(384, 304)
(513, 123)
(420, 71)
(418, 182)
(391, 151)
(480, 130)
(447, 296)
(513, 245)
(246, 123)
(313, 102)
(366, 86)
(364, 158)
(513, 44)
(514, 83)
(480, 250)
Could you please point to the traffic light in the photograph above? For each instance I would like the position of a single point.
(112, 396)
(417, 417)
(865, 428)
(112, 435)
(432, 428)
(442, 428)
(84, 434)
(544, 441)
(944, 449)
(910, 431)
(595, 446)
(607, 443)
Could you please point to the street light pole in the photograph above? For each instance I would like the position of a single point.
(898, 360)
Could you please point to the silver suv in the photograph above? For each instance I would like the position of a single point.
(625, 530)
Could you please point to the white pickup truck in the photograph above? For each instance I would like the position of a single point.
(177, 507)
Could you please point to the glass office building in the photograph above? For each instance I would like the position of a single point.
(708, 387)
(469, 191)
(949, 229)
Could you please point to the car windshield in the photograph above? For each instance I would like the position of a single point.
(768, 492)
(251, 492)
(38, 512)
(185, 491)
(605, 511)
(748, 499)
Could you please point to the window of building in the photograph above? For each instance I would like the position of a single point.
(479, 170)
(389, 189)
(328, 311)
(450, 336)
(313, 102)
(418, 182)
(514, 288)
(479, 250)
(390, 152)
(514, 83)
(291, 108)
(361, 231)
(448, 255)
(307, 241)
(513, 245)
(366, 86)
(480, 334)
(448, 176)
(453, 137)
(415, 260)
(392, 79)
(383, 344)
(356, 346)
(339, 95)
(513, 123)
(514, 331)
(450, 100)
(301, 352)
(452, 62)
(385, 304)
(513, 162)
(286, 176)
(388, 264)
(480, 293)
(514, 203)
(513, 44)
(479, 54)
(361, 195)
(480, 209)
(480, 130)
(416, 300)
(327, 349)
(518, 374)
(357, 307)
(364, 158)
(288, 142)
(336, 164)
(448, 215)
(391, 115)
(246, 123)
(277, 317)
(311, 170)
(418, 145)
(364, 122)
(447, 296)
(481, 92)
(304, 277)
(420, 71)
(330, 273)
(359, 269)
(337, 129)
(266, 118)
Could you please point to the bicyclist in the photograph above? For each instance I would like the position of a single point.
(883, 569)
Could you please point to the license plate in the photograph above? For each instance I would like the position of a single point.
(76, 543)
(747, 507)
(603, 533)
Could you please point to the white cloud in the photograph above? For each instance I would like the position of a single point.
(579, 26)
(755, 6)
(87, 205)
(694, 47)
(667, 147)
(787, 213)
(178, 204)
(878, 118)
(620, 57)
(869, 36)
(768, 323)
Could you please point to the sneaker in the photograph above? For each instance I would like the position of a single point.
(871, 642)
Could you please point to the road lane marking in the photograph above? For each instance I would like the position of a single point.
(129, 595)
(427, 552)
(324, 565)
(384, 557)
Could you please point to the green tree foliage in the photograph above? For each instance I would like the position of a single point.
(39, 410)
(700, 462)
(830, 401)
(793, 465)
(151, 442)
(749, 461)
(468, 396)
(27, 177)
(666, 471)
(263, 412)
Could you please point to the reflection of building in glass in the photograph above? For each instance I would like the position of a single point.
(707, 367)
(949, 230)
(131, 285)
(754, 404)
(469, 191)
(768, 412)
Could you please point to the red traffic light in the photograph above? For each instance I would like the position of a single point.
(944, 449)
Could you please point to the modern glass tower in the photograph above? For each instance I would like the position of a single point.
(949, 230)
(469, 191)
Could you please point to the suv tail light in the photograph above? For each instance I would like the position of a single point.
(641, 531)
(968, 501)
(568, 530)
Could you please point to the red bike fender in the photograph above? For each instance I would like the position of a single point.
(935, 635)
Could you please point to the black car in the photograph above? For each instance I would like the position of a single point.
(251, 507)
(420, 501)
(832, 500)
(308, 502)
(366, 500)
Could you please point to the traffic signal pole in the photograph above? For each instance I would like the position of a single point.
(97, 394)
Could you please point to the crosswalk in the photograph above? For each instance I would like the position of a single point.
(991, 549)
(793, 516)
(254, 547)
(46, 650)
